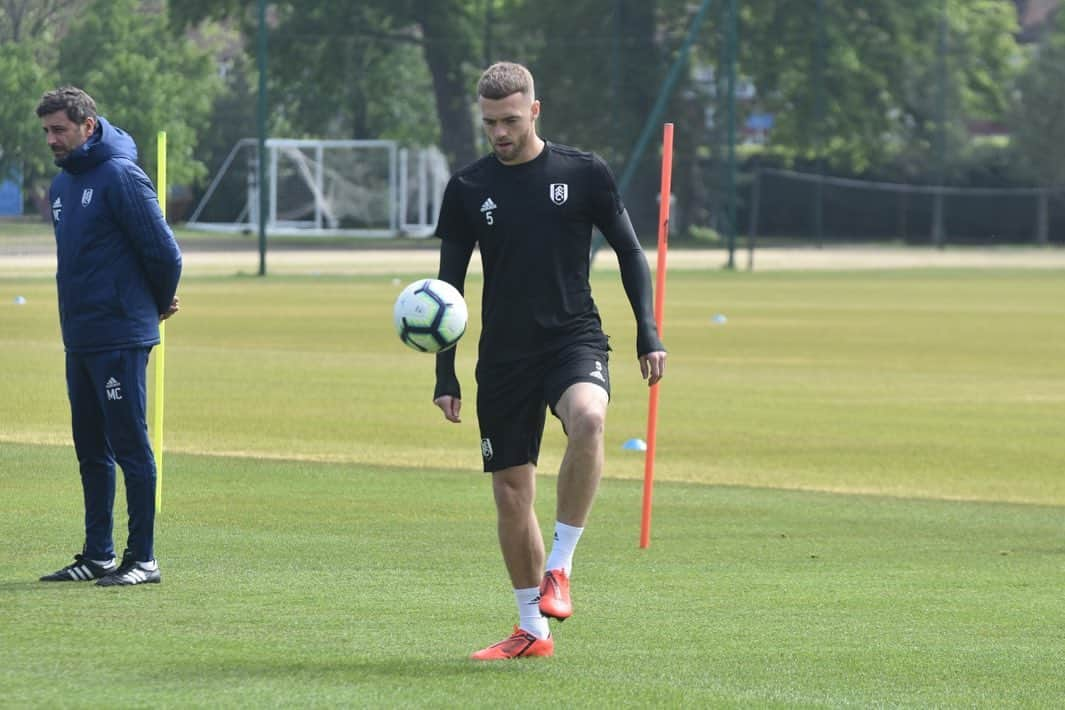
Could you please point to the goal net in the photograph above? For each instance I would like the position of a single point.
(358, 188)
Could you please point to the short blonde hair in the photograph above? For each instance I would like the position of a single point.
(505, 78)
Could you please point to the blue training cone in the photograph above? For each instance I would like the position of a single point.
(635, 445)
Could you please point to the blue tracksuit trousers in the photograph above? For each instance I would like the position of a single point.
(108, 401)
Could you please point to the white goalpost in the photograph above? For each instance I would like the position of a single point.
(320, 188)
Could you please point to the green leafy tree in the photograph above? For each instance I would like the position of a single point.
(37, 20)
(878, 86)
(398, 69)
(23, 149)
(342, 72)
(597, 72)
(451, 45)
(599, 66)
(888, 84)
(29, 31)
(1039, 117)
(144, 80)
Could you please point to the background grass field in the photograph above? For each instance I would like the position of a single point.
(859, 503)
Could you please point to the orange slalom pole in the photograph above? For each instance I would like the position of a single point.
(660, 299)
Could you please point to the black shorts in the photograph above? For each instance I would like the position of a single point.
(512, 399)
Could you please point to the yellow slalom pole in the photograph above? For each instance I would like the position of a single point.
(160, 351)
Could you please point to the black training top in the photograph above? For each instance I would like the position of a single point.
(533, 222)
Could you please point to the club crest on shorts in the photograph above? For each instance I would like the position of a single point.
(486, 449)
(559, 192)
(86, 197)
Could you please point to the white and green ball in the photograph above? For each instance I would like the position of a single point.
(430, 315)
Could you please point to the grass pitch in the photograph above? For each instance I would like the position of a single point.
(859, 503)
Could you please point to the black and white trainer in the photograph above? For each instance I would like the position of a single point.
(131, 572)
(82, 570)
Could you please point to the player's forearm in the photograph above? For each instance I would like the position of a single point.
(636, 279)
(447, 382)
(454, 262)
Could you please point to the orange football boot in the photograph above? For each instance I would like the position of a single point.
(554, 595)
(520, 644)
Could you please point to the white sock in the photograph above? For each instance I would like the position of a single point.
(566, 537)
(531, 619)
(149, 566)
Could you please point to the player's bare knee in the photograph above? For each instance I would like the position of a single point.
(512, 495)
(586, 422)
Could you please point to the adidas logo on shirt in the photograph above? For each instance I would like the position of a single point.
(57, 209)
(486, 209)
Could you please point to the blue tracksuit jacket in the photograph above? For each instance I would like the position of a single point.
(118, 262)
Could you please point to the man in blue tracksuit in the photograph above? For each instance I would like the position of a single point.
(117, 275)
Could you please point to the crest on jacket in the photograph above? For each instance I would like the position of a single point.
(86, 197)
(57, 209)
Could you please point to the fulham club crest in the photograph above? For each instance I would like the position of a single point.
(559, 192)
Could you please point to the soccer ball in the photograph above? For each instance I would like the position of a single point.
(430, 315)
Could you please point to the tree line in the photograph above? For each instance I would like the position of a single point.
(882, 88)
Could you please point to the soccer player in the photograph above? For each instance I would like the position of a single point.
(530, 206)
(117, 275)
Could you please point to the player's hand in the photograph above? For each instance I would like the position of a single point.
(451, 406)
(653, 366)
(175, 306)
